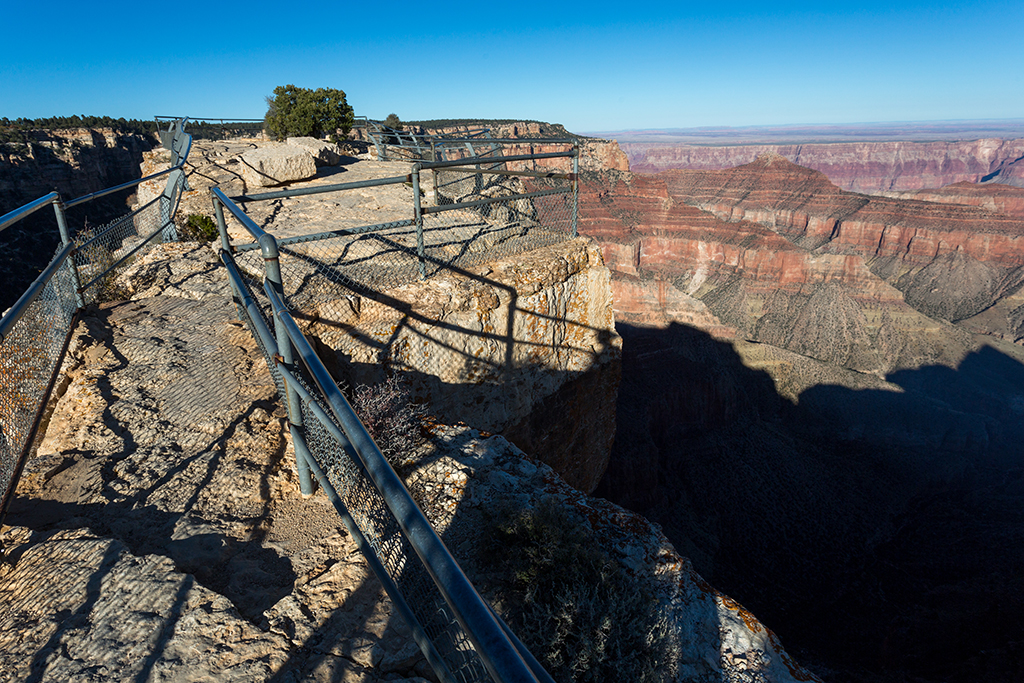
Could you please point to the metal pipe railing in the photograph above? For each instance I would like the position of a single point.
(485, 158)
(123, 186)
(25, 300)
(298, 192)
(496, 651)
(9, 219)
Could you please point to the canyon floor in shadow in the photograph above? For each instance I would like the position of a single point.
(879, 533)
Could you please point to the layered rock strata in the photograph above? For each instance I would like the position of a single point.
(993, 197)
(524, 346)
(674, 262)
(858, 167)
(951, 262)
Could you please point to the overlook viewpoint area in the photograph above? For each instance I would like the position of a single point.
(202, 503)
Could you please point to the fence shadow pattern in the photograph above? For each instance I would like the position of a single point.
(482, 212)
(35, 332)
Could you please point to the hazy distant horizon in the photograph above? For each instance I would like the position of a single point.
(876, 131)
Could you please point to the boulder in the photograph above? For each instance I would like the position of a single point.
(269, 166)
(324, 153)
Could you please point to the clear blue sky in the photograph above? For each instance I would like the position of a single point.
(590, 66)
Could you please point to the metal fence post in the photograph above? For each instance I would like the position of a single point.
(575, 188)
(272, 262)
(65, 238)
(418, 216)
(222, 227)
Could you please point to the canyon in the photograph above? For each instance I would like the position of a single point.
(819, 408)
(820, 405)
(856, 166)
(74, 162)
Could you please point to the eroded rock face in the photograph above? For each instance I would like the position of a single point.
(518, 346)
(858, 167)
(898, 240)
(75, 162)
(159, 530)
(464, 478)
(995, 197)
(741, 280)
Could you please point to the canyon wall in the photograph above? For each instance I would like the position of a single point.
(525, 346)
(73, 162)
(859, 167)
(815, 383)
(994, 197)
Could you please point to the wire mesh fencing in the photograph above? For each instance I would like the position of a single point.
(103, 253)
(480, 213)
(388, 547)
(29, 358)
(85, 270)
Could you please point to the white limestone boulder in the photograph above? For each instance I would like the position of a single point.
(324, 153)
(269, 166)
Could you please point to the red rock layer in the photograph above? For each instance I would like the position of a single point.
(858, 167)
(805, 207)
(989, 196)
(676, 263)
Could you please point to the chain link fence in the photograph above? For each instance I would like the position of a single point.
(374, 525)
(29, 358)
(35, 331)
(482, 212)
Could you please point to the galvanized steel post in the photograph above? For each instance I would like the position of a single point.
(575, 188)
(222, 227)
(272, 262)
(65, 238)
(418, 215)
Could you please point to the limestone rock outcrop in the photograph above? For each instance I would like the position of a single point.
(75, 162)
(469, 477)
(159, 531)
(858, 167)
(324, 153)
(270, 166)
(524, 346)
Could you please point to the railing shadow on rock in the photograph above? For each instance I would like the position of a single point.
(36, 330)
(482, 212)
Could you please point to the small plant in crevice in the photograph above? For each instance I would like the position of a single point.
(393, 421)
(200, 228)
(577, 609)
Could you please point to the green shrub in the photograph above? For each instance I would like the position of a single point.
(576, 608)
(294, 111)
(200, 228)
